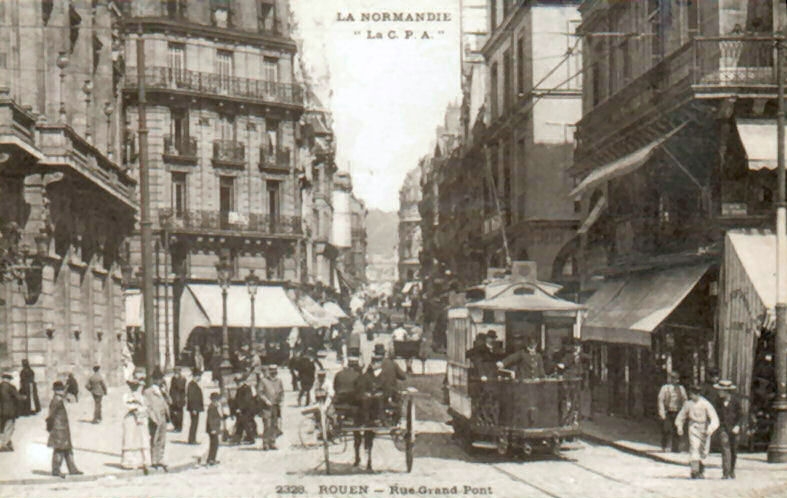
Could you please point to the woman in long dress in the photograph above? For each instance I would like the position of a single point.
(136, 440)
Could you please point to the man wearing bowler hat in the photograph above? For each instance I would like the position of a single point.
(730, 422)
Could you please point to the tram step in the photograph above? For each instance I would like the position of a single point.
(486, 445)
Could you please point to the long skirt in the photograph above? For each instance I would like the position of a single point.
(699, 441)
(136, 443)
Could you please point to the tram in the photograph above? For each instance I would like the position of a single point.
(502, 412)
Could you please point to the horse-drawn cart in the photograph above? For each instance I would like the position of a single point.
(333, 426)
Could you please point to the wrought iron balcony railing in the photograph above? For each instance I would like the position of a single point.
(206, 221)
(278, 161)
(158, 77)
(229, 153)
(743, 65)
(180, 147)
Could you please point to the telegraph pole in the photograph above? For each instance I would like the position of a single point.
(151, 355)
(777, 450)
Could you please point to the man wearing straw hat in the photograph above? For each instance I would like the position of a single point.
(730, 422)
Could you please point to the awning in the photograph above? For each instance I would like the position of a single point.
(525, 297)
(622, 166)
(134, 312)
(315, 314)
(334, 310)
(627, 311)
(410, 285)
(756, 253)
(594, 215)
(201, 306)
(759, 138)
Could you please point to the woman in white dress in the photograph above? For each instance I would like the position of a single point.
(136, 441)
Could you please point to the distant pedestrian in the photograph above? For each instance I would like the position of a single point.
(72, 388)
(702, 422)
(60, 433)
(730, 422)
(136, 440)
(245, 407)
(194, 404)
(271, 394)
(28, 390)
(199, 360)
(9, 406)
(213, 426)
(177, 393)
(672, 395)
(96, 387)
(158, 410)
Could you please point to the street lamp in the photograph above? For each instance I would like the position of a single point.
(62, 63)
(87, 89)
(108, 110)
(252, 281)
(224, 278)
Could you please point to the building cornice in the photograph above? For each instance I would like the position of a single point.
(157, 24)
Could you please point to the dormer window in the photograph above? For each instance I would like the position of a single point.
(221, 13)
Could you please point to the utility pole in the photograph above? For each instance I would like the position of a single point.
(777, 450)
(151, 355)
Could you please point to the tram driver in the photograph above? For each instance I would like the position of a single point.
(528, 363)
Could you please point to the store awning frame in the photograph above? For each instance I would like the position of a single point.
(627, 311)
(594, 215)
(624, 165)
(759, 139)
(334, 310)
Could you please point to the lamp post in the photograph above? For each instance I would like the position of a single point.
(62, 64)
(777, 449)
(252, 282)
(224, 278)
(108, 110)
(87, 89)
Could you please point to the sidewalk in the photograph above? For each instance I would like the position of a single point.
(643, 438)
(97, 447)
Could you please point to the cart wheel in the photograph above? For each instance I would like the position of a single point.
(325, 443)
(410, 435)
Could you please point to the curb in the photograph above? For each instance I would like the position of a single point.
(629, 450)
(95, 477)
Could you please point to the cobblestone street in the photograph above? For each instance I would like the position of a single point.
(441, 467)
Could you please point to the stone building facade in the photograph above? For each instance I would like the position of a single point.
(223, 114)
(410, 239)
(66, 205)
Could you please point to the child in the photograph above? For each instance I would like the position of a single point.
(213, 427)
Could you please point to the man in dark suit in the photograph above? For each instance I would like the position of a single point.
(194, 404)
(9, 403)
(390, 375)
(344, 382)
(528, 363)
(730, 421)
(177, 392)
(98, 388)
(213, 427)
(245, 409)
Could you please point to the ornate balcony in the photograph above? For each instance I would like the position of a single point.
(216, 85)
(230, 223)
(180, 149)
(229, 154)
(705, 67)
(276, 163)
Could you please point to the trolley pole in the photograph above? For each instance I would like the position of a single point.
(151, 354)
(777, 450)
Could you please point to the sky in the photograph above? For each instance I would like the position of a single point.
(387, 96)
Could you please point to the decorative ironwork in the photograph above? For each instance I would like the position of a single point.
(182, 147)
(216, 84)
(209, 221)
(229, 152)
